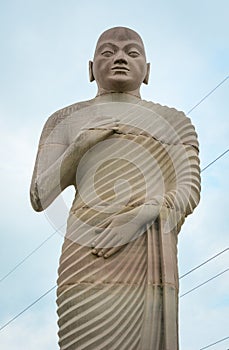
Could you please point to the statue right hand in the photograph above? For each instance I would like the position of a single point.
(83, 142)
(76, 150)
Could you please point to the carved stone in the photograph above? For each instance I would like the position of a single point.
(135, 168)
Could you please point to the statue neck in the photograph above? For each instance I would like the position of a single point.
(117, 97)
(135, 93)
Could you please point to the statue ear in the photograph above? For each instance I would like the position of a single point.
(146, 80)
(91, 75)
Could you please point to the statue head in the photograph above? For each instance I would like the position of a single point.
(119, 63)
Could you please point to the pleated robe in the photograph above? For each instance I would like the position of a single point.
(128, 301)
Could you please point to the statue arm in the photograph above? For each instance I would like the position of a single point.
(44, 185)
(184, 192)
(56, 161)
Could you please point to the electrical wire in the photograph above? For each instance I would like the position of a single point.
(200, 285)
(220, 156)
(203, 263)
(27, 308)
(26, 257)
(30, 254)
(195, 106)
(208, 94)
(217, 342)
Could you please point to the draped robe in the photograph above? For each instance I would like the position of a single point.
(130, 300)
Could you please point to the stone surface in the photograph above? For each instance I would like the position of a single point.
(135, 168)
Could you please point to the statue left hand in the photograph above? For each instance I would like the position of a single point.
(123, 228)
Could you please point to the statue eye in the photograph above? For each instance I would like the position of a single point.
(133, 53)
(107, 53)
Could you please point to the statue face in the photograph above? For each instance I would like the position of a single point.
(119, 62)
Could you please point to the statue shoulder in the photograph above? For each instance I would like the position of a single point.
(170, 113)
(177, 126)
(65, 112)
(61, 115)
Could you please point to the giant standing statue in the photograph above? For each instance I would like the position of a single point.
(135, 168)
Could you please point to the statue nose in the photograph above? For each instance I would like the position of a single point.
(120, 59)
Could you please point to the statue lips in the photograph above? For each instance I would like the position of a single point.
(120, 69)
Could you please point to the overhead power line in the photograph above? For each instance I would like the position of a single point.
(28, 256)
(208, 94)
(217, 342)
(196, 105)
(203, 263)
(200, 285)
(220, 156)
(27, 308)
(31, 253)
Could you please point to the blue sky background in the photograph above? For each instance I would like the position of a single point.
(45, 48)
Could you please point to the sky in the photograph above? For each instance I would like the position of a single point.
(45, 49)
